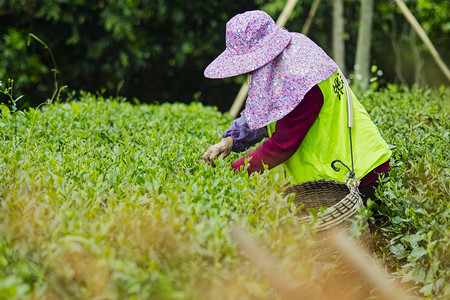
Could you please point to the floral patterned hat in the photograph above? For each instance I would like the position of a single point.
(280, 85)
(252, 40)
(284, 66)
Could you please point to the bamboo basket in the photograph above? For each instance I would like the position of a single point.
(341, 202)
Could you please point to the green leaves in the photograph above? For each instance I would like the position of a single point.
(147, 49)
(101, 198)
(114, 199)
(415, 202)
(12, 287)
(413, 240)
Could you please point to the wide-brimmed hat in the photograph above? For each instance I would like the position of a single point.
(252, 40)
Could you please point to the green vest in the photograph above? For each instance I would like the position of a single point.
(328, 139)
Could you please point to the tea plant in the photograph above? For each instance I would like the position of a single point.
(8, 91)
(415, 211)
(103, 199)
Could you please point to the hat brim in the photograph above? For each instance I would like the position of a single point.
(229, 65)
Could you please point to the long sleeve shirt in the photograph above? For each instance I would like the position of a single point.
(243, 136)
(286, 139)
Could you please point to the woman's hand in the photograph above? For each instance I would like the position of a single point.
(224, 148)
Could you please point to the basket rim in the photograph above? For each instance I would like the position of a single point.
(337, 213)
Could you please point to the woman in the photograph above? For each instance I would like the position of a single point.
(298, 101)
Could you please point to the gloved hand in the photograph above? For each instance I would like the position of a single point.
(223, 147)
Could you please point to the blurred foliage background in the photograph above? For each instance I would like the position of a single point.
(156, 51)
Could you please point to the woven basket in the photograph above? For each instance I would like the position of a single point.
(341, 203)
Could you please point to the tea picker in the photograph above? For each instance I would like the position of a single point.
(302, 106)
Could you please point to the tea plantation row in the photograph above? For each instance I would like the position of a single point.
(416, 201)
(103, 199)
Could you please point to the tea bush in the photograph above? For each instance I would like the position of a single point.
(100, 198)
(414, 235)
(103, 199)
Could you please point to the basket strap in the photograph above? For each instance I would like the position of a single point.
(351, 174)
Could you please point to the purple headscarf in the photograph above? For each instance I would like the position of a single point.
(279, 86)
(284, 66)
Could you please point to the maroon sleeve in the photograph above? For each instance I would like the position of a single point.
(289, 134)
(375, 174)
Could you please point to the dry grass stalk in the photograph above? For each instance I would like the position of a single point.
(361, 262)
(267, 264)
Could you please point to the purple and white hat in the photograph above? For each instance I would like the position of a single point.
(280, 85)
(284, 66)
(252, 40)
